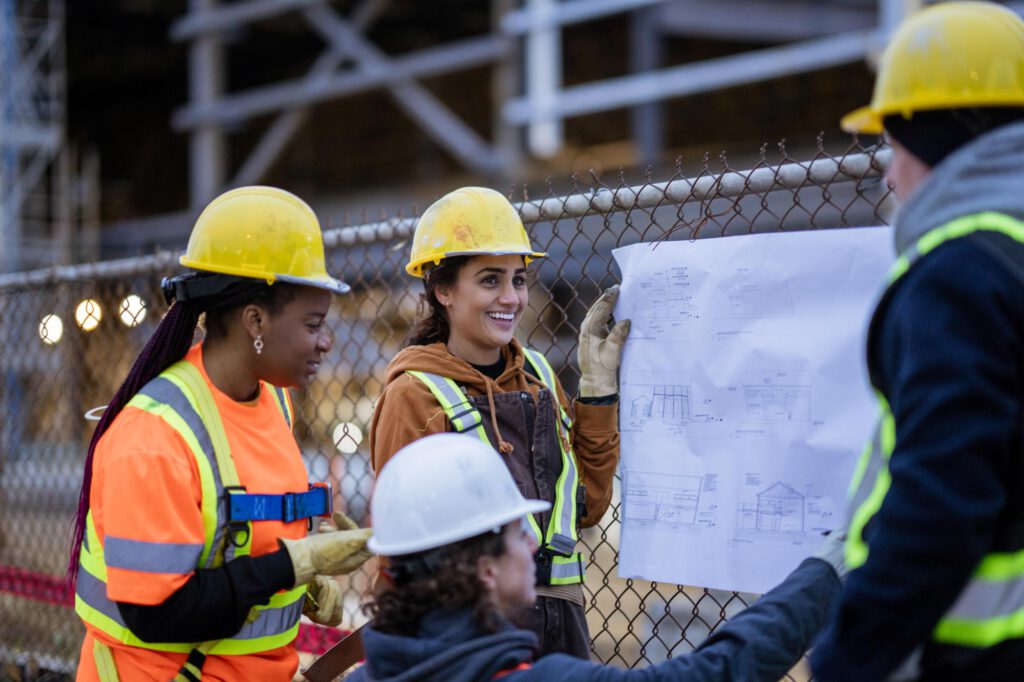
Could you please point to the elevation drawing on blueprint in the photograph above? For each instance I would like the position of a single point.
(743, 400)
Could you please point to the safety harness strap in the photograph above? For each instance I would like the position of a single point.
(286, 507)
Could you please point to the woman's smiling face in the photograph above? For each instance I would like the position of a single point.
(484, 306)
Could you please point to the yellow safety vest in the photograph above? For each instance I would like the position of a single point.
(182, 399)
(559, 540)
(990, 608)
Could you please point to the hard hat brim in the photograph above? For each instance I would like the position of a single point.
(330, 284)
(863, 120)
(416, 268)
(457, 535)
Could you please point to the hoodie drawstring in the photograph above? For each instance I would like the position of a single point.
(504, 447)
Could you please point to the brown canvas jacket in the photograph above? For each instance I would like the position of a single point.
(407, 411)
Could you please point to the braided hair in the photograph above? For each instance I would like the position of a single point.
(220, 297)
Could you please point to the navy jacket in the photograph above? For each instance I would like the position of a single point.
(946, 349)
(760, 644)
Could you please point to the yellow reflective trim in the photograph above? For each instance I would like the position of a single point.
(1002, 566)
(93, 559)
(980, 634)
(206, 481)
(223, 647)
(856, 550)
(106, 669)
(578, 559)
(199, 394)
(988, 221)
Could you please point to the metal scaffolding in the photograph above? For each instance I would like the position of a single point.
(41, 178)
(526, 48)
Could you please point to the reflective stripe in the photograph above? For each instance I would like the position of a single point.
(106, 670)
(93, 592)
(990, 608)
(464, 416)
(190, 379)
(547, 375)
(284, 403)
(275, 620)
(567, 570)
(563, 514)
(982, 599)
(457, 406)
(167, 400)
(151, 557)
(449, 396)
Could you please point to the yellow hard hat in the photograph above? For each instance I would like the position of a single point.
(263, 233)
(471, 221)
(948, 56)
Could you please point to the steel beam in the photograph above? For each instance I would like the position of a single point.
(543, 78)
(284, 127)
(689, 79)
(304, 91)
(197, 24)
(206, 83)
(523, 20)
(443, 126)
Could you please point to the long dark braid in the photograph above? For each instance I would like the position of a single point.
(169, 343)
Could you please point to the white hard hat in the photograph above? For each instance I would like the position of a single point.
(442, 489)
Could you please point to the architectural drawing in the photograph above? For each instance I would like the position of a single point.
(661, 498)
(778, 509)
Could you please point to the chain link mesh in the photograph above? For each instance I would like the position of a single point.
(70, 335)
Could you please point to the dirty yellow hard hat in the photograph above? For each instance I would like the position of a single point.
(949, 56)
(471, 221)
(261, 233)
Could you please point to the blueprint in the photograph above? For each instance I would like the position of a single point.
(744, 401)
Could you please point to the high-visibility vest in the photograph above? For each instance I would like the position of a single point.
(990, 608)
(558, 541)
(181, 398)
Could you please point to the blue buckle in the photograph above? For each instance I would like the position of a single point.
(287, 507)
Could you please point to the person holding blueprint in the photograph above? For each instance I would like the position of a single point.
(463, 370)
(936, 539)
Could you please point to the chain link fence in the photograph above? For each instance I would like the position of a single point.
(69, 336)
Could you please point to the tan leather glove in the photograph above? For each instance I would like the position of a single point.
(323, 601)
(335, 552)
(600, 350)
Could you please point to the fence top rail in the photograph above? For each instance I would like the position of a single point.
(603, 201)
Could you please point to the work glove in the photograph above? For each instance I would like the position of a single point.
(832, 551)
(600, 350)
(334, 552)
(323, 601)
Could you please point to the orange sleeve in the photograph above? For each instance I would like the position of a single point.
(405, 412)
(595, 442)
(146, 499)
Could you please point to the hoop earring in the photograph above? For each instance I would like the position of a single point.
(258, 344)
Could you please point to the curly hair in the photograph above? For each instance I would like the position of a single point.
(453, 585)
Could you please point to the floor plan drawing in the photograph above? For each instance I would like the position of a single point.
(660, 498)
(778, 509)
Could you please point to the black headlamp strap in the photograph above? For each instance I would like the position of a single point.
(195, 285)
